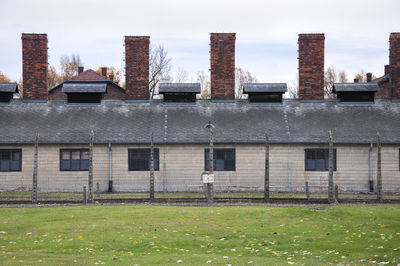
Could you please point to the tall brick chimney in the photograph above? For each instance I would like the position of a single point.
(137, 52)
(104, 72)
(80, 69)
(311, 66)
(394, 62)
(223, 66)
(34, 66)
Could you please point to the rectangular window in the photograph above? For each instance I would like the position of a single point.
(10, 160)
(74, 159)
(224, 159)
(139, 159)
(318, 159)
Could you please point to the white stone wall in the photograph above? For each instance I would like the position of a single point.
(182, 165)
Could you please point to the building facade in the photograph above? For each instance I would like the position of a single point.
(123, 121)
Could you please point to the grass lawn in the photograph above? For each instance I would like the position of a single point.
(143, 235)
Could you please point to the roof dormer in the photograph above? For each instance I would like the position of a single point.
(7, 89)
(265, 92)
(84, 91)
(179, 92)
(356, 92)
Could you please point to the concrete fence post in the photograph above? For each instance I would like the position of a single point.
(152, 167)
(331, 196)
(98, 189)
(84, 195)
(379, 195)
(35, 171)
(307, 191)
(90, 194)
(266, 181)
(336, 192)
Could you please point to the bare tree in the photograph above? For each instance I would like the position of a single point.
(332, 76)
(69, 66)
(204, 81)
(160, 67)
(293, 88)
(242, 76)
(181, 75)
(53, 77)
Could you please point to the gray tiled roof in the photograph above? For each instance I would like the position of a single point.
(84, 87)
(8, 87)
(179, 87)
(115, 121)
(264, 87)
(353, 87)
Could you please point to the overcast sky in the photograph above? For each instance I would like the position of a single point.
(356, 32)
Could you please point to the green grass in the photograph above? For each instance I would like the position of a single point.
(143, 235)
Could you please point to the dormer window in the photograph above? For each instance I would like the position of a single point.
(356, 92)
(179, 92)
(84, 92)
(7, 90)
(265, 92)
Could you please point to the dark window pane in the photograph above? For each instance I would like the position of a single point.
(318, 160)
(15, 165)
(139, 159)
(75, 165)
(5, 165)
(10, 160)
(84, 165)
(65, 165)
(224, 159)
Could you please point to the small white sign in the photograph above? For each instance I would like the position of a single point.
(208, 178)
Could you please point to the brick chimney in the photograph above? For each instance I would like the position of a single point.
(394, 62)
(80, 69)
(34, 66)
(223, 66)
(104, 72)
(369, 77)
(311, 66)
(387, 69)
(356, 80)
(137, 52)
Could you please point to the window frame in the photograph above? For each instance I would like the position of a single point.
(70, 159)
(156, 159)
(11, 151)
(206, 159)
(326, 151)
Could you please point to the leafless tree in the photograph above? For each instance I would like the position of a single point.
(242, 76)
(293, 88)
(332, 76)
(69, 66)
(204, 81)
(160, 67)
(181, 75)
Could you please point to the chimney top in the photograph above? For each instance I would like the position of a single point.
(356, 80)
(387, 69)
(111, 77)
(312, 36)
(80, 69)
(104, 72)
(369, 77)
